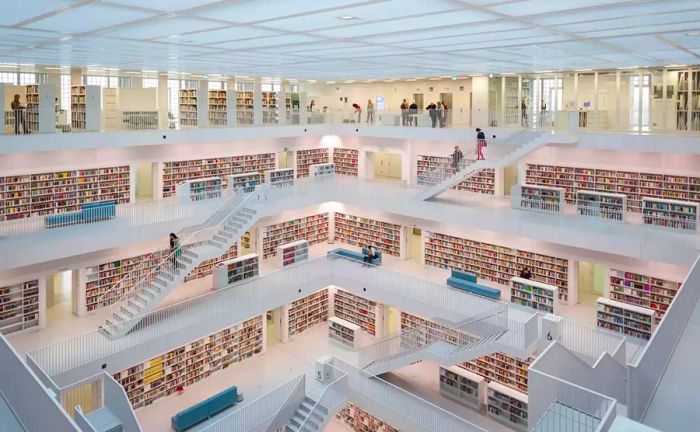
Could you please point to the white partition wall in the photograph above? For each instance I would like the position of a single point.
(203, 104)
(231, 112)
(2, 111)
(47, 111)
(257, 104)
(93, 108)
(303, 111)
(282, 104)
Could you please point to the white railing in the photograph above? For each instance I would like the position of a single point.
(87, 394)
(261, 410)
(591, 342)
(332, 398)
(646, 371)
(403, 403)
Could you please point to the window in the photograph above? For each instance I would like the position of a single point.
(27, 78)
(101, 81)
(174, 98)
(216, 85)
(124, 82)
(65, 95)
(639, 112)
(149, 83)
(294, 88)
(270, 87)
(8, 78)
(244, 86)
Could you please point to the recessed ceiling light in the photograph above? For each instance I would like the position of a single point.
(173, 36)
(172, 57)
(65, 38)
(582, 70)
(694, 33)
(435, 79)
(347, 17)
(673, 66)
(52, 68)
(628, 67)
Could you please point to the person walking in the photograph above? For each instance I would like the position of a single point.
(480, 144)
(175, 249)
(543, 111)
(404, 113)
(413, 113)
(523, 112)
(18, 110)
(457, 158)
(370, 111)
(432, 108)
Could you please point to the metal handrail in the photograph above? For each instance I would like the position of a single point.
(326, 394)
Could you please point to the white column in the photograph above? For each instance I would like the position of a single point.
(503, 103)
(331, 227)
(76, 76)
(47, 110)
(231, 108)
(93, 108)
(572, 283)
(162, 102)
(80, 281)
(2, 111)
(303, 108)
(257, 104)
(42, 299)
(282, 104)
(576, 93)
(617, 98)
(498, 181)
(595, 91)
(203, 104)
(480, 102)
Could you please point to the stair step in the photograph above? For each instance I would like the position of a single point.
(221, 239)
(188, 253)
(130, 310)
(216, 244)
(226, 234)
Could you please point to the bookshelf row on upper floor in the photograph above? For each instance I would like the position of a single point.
(19, 306)
(360, 420)
(362, 232)
(314, 228)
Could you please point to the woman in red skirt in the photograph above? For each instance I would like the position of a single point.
(480, 144)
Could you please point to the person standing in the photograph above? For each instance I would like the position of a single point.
(175, 249)
(432, 108)
(413, 113)
(370, 111)
(358, 111)
(311, 105)
(404, 113)
(443, 117)
(457, 158)
(18, 110)
(371, 256)
(525, 273)
(480, 144)
(523, 112)
(543, 111)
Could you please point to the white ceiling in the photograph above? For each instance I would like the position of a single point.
(305, 39)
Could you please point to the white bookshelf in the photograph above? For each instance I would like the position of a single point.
(280, 177)
(19, 306)
(540, 198)
(360, 231)
(292, 253)
(218, 108)
(306, 313)
(533, 294)
(31, 113)
(110, 108)
(78, 107)
(603, 205)
(345, 332)
(345, 161)
(496, 263)
(359, 420)
(185, 365)
(625, 318)
(507, 405)
(306, 158)
(322, 171)
(244, 107)
(188, 107)
(200, 189)
(462, 386)
(313, 228)
(680, 215)
(358, 310)
(270, 106)
(245, 182)
(236, 271)
(643, 290)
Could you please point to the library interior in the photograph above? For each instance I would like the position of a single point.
(349, 215)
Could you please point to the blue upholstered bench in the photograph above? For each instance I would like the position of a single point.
(63, 219)
(467, 282)
(204, 410)
(356, 256)
(95, 212)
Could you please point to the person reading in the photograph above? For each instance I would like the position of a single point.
(371, 255)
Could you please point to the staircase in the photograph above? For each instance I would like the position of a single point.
(308, 419)
(516, 147)
(560, 417)
(206, 243)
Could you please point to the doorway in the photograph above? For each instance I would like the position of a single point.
(275, 323)
(61, 295)
(285, 159)
(418, 99)
(392, 321)
(414, 244)
(592, 280)
(385, 165)
(144, 181)
(446, 98)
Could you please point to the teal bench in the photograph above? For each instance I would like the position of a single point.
(467, 282)
(356, 256)
(204, 410)
(88, 213)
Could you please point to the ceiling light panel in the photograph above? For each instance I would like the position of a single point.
(163, 27)
(421, 22)
(16, 11)
(267, 41)
(252, 11)
(92, 16)
(223, 35)
(165, 5)
(382, 10)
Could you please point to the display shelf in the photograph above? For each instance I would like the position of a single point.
(358, 310)
(633, 184)
(361, 232)
(306, 158)
(542, 198)
(482, 181)
(345, 161)
(625, 318)
(19, 306)
(180, 171)
(188, 107)
(236, 271)
(532, 294)
(218, 109)
(322, 171)
(31, 113)
(495, 263)
(344, 332)
(604, 205)
(269, 105)
(245, 182)
(181, 367)
(507, 405)
(280, 177)
(26, 195)
(361, 421)
(313, 228)
(642, 290)
(78, 107)
(462, 386)
(680, 215)
(200, 189)
(105, 277)
(307, 312)
(244, 107)
(292, 253)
